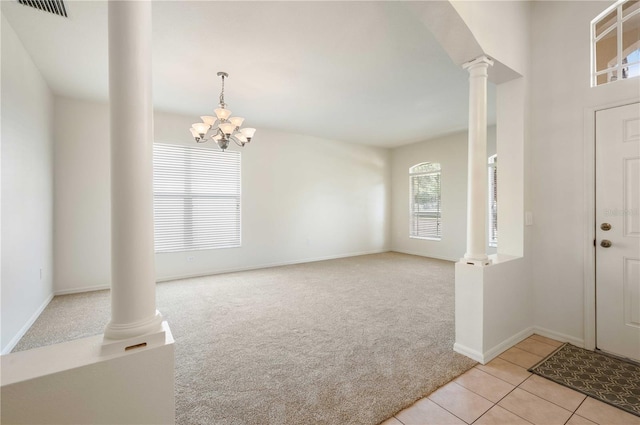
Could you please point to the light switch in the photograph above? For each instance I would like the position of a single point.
(528, 218)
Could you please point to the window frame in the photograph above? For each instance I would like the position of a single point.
(618, 27)
(175, 220)
(413, 228)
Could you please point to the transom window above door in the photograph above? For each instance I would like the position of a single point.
(615, 43)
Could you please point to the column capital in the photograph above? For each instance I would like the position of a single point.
(483, 60)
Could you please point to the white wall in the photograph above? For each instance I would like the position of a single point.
(508, 311)
(513, 166)
(561, 93)
(451, 152)
(303, 199)
(82, 195)
(498, 28)
(27, 205)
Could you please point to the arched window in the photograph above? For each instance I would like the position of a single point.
(493, 201)
(615, 43)
(425, 201)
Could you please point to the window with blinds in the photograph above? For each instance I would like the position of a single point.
(196, 195)
(493, 201)
(425, 201)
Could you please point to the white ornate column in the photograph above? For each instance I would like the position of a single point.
(133, 296)
(477, 162)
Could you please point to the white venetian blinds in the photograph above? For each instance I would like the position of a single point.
(425, 201)
(493, 201)
(196, 198)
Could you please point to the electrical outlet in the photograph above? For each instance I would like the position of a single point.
(528, 218)
(190, 259)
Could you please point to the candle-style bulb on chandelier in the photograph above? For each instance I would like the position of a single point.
(224, 128)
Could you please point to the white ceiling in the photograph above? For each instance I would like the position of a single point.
(364, 72)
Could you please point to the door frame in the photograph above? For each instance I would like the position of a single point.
(590, 218)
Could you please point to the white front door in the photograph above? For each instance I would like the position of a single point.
(618, 231)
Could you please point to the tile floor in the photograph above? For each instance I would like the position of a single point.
(503, 392)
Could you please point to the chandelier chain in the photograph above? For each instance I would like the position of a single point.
(222, 93)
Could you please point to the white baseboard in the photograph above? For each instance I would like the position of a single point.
(268, 265)
(23, 330)
(578, 342)
(222, 271)
(422, 254)
(494, 352)
(466, 351)
(82, 289)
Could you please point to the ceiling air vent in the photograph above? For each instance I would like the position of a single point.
(52, 6)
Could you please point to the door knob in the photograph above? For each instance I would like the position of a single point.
(605, 243)
(605, 226)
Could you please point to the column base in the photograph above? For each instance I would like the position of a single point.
(117, 346)
(115, 331)
(476, 262)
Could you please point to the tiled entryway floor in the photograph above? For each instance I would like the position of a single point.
(503, 392)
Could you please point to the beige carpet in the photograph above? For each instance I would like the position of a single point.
(347, 341)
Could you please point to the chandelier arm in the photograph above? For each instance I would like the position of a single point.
(241, 144)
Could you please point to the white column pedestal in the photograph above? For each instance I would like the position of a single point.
(77, 382)
(492, 307)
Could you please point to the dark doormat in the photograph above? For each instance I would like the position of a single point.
(605, 378)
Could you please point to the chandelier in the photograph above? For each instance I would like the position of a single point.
(225, 128)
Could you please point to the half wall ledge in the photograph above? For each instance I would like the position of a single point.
(492, 306)
(75, 382)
